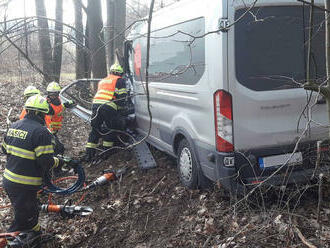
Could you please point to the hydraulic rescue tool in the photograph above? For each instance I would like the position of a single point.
(7, 240)
(108, 176)
(68, 211)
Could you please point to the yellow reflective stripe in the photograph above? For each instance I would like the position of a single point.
(56, 162)
(36, 228)
(121, 91)
(56, 123)
(107, 143)
(44, 150)
(106, 81)
(19, 152)
(16, 178)
(105, 91)
(104, 96)
(91, 145)
(100, 101)
(111, 104)
(4, 145)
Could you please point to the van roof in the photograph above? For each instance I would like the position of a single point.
(190, 9)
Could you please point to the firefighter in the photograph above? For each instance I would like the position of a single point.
(29, 91)
(109, 98)
(29, 151)
(54, 120)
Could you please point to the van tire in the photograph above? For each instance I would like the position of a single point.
(190, 174)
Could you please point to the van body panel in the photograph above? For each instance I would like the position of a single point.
(191, 59)
(270, 117)
(181, 105)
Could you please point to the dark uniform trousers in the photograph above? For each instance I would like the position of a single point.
(25, 204)
(29, 151)
(112, 119)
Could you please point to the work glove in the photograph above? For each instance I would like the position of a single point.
(59, 162)
(73, 163)
(69, 104)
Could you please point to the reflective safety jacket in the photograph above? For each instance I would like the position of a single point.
(29, 150)
(110, 90)
(54, 122)
(23, 113)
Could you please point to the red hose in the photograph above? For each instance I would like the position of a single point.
(50, 194)
(64, 179)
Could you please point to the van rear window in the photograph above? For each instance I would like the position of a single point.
(271, 47)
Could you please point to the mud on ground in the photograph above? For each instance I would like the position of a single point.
(152, 209)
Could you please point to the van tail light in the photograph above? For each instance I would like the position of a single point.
(223, 116)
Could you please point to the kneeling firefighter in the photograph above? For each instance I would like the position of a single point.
(54, 120)
(29, 91)
(109, 98)
(29, 150)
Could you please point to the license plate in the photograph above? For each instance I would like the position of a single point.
(278, 160)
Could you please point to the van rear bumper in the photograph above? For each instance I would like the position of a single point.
(232, 181)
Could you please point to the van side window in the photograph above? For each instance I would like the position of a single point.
(175, 57)
(271, 50)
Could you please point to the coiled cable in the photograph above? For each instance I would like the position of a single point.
(51, 188)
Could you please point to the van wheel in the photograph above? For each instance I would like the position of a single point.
(190, 174)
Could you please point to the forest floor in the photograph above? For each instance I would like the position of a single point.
(151, 209)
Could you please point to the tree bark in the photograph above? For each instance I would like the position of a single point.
(44, 42)
(110, 31)
(95, 39)
(80, 56)
(58, 40)
(327, 53)
(120, 25)
(87, 53)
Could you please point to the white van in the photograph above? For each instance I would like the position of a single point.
(225, 89)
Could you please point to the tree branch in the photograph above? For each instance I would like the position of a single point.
(24, 55)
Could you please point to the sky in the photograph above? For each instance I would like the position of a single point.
(20, 8)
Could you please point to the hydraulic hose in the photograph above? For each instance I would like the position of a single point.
(51, 188)
(50, 202)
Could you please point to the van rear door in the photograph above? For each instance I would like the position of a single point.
(267, 66)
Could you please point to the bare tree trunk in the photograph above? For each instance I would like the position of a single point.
(58, 40)
(95, 39)
(120, 25)
(110, 31)
(80, 56)
(87, 54)
(327, 53)
(44, 42)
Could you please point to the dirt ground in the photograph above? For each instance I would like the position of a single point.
(151, 209)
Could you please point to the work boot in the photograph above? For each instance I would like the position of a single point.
(90, 154)
(30, 239)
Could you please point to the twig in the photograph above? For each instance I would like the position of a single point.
(145, 226)
(129, 199)
(303, 239)
(25, 56)
(207, 241)
(318, 156)
(320, 198)
(161, 180)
